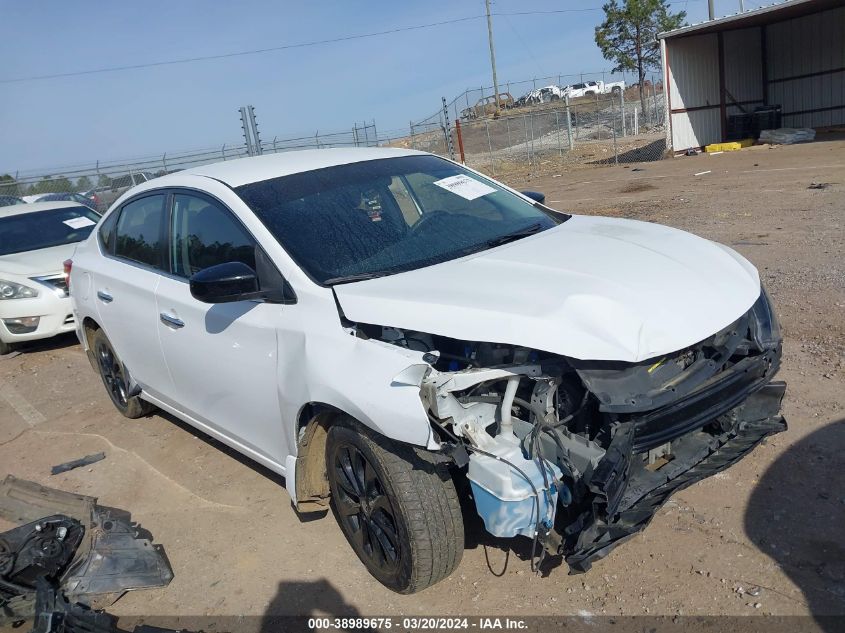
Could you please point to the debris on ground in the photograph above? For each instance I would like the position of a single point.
(92, 555)
(819, 185)
(788, 135)
(702, 173)
(77, 463)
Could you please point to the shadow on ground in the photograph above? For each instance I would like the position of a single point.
(305, 600)
(796, 516)
(652, 151)
(68, 339)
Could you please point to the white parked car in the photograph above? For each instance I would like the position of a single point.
(392, 331)
(594, 88)
(35, 240)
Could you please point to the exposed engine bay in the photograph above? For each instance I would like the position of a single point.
(578, 455)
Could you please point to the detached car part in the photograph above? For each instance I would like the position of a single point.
(93, 555)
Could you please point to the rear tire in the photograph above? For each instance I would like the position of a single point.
(5, 348)
(116, 379)
(397, 507)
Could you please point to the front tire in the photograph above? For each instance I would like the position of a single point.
(397, 507)
(116, 380)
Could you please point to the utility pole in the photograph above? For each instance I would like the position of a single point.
(741, 6)
(493, 52)
(710, 10)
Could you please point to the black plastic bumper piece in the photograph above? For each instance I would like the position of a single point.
(719, 396)
(697, 455)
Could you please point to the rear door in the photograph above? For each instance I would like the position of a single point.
(125, 283)
(223, 357)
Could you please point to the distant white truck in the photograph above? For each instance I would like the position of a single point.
(593, 88)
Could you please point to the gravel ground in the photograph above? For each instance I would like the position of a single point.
(764, 537)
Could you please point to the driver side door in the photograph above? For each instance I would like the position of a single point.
(223, 358)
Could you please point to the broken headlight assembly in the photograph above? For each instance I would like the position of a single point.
(764, 323)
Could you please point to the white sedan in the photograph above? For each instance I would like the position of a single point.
(392, 332)
(35, 240)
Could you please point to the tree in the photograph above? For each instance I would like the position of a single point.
(49, 184)
(103, 181)
(628, 35)
(84, 183)
(8, 185)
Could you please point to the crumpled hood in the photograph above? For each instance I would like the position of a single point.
(44, 261)
(592, 288)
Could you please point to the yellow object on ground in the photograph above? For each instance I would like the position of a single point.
(729, 147)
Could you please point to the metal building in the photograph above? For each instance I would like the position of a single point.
(790, 54)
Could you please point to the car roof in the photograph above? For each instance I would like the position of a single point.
(244, 171)
(35, 207)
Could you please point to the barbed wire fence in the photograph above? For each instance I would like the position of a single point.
(544, 133)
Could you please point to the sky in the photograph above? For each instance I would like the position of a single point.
(49, 124)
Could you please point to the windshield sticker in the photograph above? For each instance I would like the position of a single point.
(464, 186)
(79, 223)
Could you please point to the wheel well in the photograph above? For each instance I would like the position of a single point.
(89, 326)
(312, 428)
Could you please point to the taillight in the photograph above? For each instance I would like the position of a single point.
(67, 264)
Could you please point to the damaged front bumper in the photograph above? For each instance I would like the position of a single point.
(627, 493)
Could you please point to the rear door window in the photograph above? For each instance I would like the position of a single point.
(140, 231)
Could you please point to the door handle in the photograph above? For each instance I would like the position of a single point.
(171, 321)
(104, 296)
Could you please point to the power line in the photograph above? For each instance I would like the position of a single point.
(282, 47)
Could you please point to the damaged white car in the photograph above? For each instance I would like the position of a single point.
(393, 332)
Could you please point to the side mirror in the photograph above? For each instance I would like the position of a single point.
(225, 283)
(536, 196)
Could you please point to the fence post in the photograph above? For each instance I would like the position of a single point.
(531, 124)
(274, 144)
(654, 94)
(490, 146)
(460, 140)
(223, 151)
(447, 129)
(413, 140)
(375, 132)
(622, 109)
(569, 124)
(557, 130)
(164, 162)
(525, 128)
(508, 126)
(636, 122)
(615, 148)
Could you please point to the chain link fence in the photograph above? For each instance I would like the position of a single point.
(595, 130)
(102, 180)
(546, 134)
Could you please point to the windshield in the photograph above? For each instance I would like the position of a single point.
(43, 229)
(389, 215)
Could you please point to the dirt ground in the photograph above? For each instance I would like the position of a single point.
(773, 525)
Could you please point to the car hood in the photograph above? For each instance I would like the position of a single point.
(592, 288)
(44, 261)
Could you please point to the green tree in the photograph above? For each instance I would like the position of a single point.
(8, 185)
(103, 181)
(628, 35)
(49, 184)
(84, 183)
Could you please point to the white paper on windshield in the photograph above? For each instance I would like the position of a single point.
(79, 223)
(464, 186)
